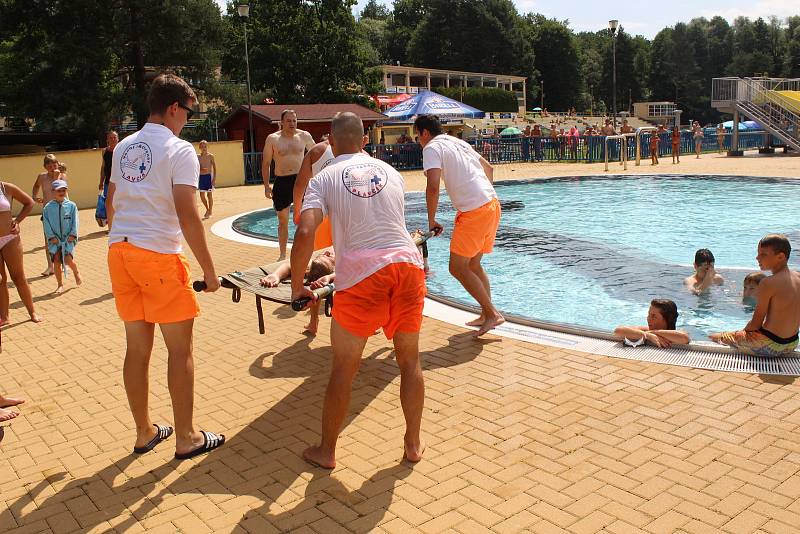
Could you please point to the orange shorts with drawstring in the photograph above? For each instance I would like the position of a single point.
(150, 286)
(391, 298)
(323, 237)
(475, 230)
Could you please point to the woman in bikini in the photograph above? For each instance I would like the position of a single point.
(11, 250)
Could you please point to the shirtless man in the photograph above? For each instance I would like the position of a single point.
(44, 182)
(287, 147)
(776, 319)
(208, 177)
(626, 128)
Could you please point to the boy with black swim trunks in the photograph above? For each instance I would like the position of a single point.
(287, 148)
(773, 329)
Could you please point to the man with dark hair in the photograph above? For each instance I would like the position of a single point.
(153, 206)
(468, 179)
(286, 147)
(380, 282)
(776, 319)
(112, 138)
(704, 274)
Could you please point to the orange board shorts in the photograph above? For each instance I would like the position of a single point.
(391, 298)
(323, 238)
(475, 230)
(150, 286)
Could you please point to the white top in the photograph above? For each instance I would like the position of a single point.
(322, 162)
(371, 231)
(144, 168)
(467, 184)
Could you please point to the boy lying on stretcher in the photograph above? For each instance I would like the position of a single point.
(320, 272)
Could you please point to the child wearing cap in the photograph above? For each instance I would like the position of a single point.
(60, 219)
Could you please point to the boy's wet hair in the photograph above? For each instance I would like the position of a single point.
(754, 278)
(167, 89)
(668, 310)
(778, 243)
(430, 123)
(703, 256)
(317, 270)
(50, 158)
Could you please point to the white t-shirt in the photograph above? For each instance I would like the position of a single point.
(463, 175)
(364, 198)
(144, 168)
(323, 161)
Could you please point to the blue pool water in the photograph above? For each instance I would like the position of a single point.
(594, 251)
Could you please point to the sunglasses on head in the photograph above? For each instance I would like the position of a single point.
(189, 111)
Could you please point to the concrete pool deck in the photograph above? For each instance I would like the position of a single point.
(521, 437)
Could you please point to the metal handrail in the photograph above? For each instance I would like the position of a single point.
(623, 150)
(639, 141)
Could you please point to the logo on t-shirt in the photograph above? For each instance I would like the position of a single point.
(136, 162)
(365, 179)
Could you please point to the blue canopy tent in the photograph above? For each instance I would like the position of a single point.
(430, 103)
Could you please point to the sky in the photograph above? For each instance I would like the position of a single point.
(640, 16)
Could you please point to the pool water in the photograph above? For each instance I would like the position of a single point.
(594, 251)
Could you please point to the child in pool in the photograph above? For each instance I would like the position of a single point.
(660, 330)
(704, 274)
(750, 287)
(776, 319)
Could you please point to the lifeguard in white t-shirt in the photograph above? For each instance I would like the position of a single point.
(468, 179)
(380, 282)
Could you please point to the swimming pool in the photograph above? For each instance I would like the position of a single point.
(593, 251)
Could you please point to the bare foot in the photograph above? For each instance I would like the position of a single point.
(282, 257)
(316, 457)
(47, 272)
(7, 415)
(490, 323)
(206, 215)
(36, 318)
(78, 279)
(7, 402)
(59, 290)
(311, 328)
(414, 453)
(476, 322)
(3, 322)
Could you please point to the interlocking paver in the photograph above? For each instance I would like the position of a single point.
(520, 437)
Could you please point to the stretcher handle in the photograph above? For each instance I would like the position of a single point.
(319, 293)
(199, 285)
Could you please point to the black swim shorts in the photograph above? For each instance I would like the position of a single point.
(283, 191)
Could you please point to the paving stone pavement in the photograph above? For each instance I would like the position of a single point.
(521, 437)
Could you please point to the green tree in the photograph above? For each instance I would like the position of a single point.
(791, 62)
(405, 18)
(556, 62)
(376, 11)
(628, 88)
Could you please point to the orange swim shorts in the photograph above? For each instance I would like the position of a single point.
(391, 298)
(323, 238)
(475, 230)
(149, 286)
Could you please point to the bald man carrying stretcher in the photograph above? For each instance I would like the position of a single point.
(380, 280)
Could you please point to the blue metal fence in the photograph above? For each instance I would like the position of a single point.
(586, 149)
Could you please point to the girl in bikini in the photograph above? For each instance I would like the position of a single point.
(11, 250)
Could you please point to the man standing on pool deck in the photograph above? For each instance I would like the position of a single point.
(468, 179)
(152, 202)
(287, 147)
(379, 279)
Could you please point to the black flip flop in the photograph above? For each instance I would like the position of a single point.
(162, 433)
(211, 441)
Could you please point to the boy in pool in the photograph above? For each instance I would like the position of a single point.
(750, 289)
(704, 274)
(660, 330)
(773, 329)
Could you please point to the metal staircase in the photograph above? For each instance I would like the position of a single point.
(761, 100)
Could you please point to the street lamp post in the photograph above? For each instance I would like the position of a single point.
(613, 25)
(244, 12)
(542, 95)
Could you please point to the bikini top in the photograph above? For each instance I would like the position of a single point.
(5, 204)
